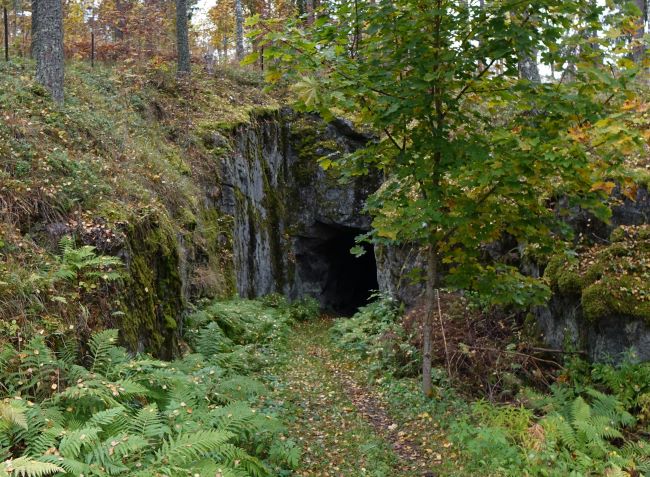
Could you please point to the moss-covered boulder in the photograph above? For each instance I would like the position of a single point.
(601, 301)
(612, 279)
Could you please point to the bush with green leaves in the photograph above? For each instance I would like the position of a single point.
(375, 333)
(107, 413)
(305, 309)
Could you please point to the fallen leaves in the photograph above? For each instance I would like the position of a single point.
(343, 425)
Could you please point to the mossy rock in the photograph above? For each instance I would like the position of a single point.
(611, 280)
(561, 273)
(311, 142)
(154, 288)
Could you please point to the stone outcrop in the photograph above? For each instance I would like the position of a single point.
(292, 219)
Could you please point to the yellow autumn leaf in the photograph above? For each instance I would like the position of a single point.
(605, 186)
(387, 233)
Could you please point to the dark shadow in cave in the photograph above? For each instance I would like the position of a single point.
(341, 281)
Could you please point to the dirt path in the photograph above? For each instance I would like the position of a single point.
(342, 425)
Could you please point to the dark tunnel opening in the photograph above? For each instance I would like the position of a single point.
(341, 281)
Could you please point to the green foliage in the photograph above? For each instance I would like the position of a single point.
(83, 266)
(25, 467)
(578, 435)
(305, 309)
(628, 380)
(136, 416)
(471, 151)
(375, 333)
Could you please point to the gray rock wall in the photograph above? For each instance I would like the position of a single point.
(562, 322)
(286, 208)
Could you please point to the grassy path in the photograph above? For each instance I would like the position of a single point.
(341, 424)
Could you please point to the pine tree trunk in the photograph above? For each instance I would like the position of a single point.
(427, 325)
(34, 28)
(5, 16)
(49, 47)
(118, 29)
(239, 30)
(182, 38)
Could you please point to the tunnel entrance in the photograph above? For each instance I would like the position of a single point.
(329, 272)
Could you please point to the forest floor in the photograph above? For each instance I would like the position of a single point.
(344, 424)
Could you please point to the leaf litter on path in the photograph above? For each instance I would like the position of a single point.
(342, 425)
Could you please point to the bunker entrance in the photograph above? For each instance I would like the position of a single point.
(328, 271)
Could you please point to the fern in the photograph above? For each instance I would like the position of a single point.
(13, 412)
(25, 467)
(110, 420)
(240, 388)
(71, 466)
(185, 449)
(607, 405)
(103, 351)
(73, 442)
(149, 424)
(234, 457)
(114, 415)
(75, 263)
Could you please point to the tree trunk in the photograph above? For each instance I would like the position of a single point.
(49, 47)
(34, 27)
(182, 38)
(224, 50)
(528, 67)
(5, 16)
(309, 6)
(427, 325)
(120, 26)
(638, 52)
(239, 30)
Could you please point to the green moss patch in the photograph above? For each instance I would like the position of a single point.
(610, 279)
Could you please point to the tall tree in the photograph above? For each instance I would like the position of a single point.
(222, 19)
(239, 30)
(34, 44)
(48, 46)
(182, 38)
(466, 163)
(120, 25)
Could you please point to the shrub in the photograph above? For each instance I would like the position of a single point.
(305, 309)
(376, 333)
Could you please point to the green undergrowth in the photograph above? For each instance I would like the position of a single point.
(594, 420)
(127, 165)
(102, 411)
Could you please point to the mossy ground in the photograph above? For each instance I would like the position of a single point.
(128, 165)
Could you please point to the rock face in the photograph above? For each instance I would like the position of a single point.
(294, 223)
(601, 300)
(564, 325)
